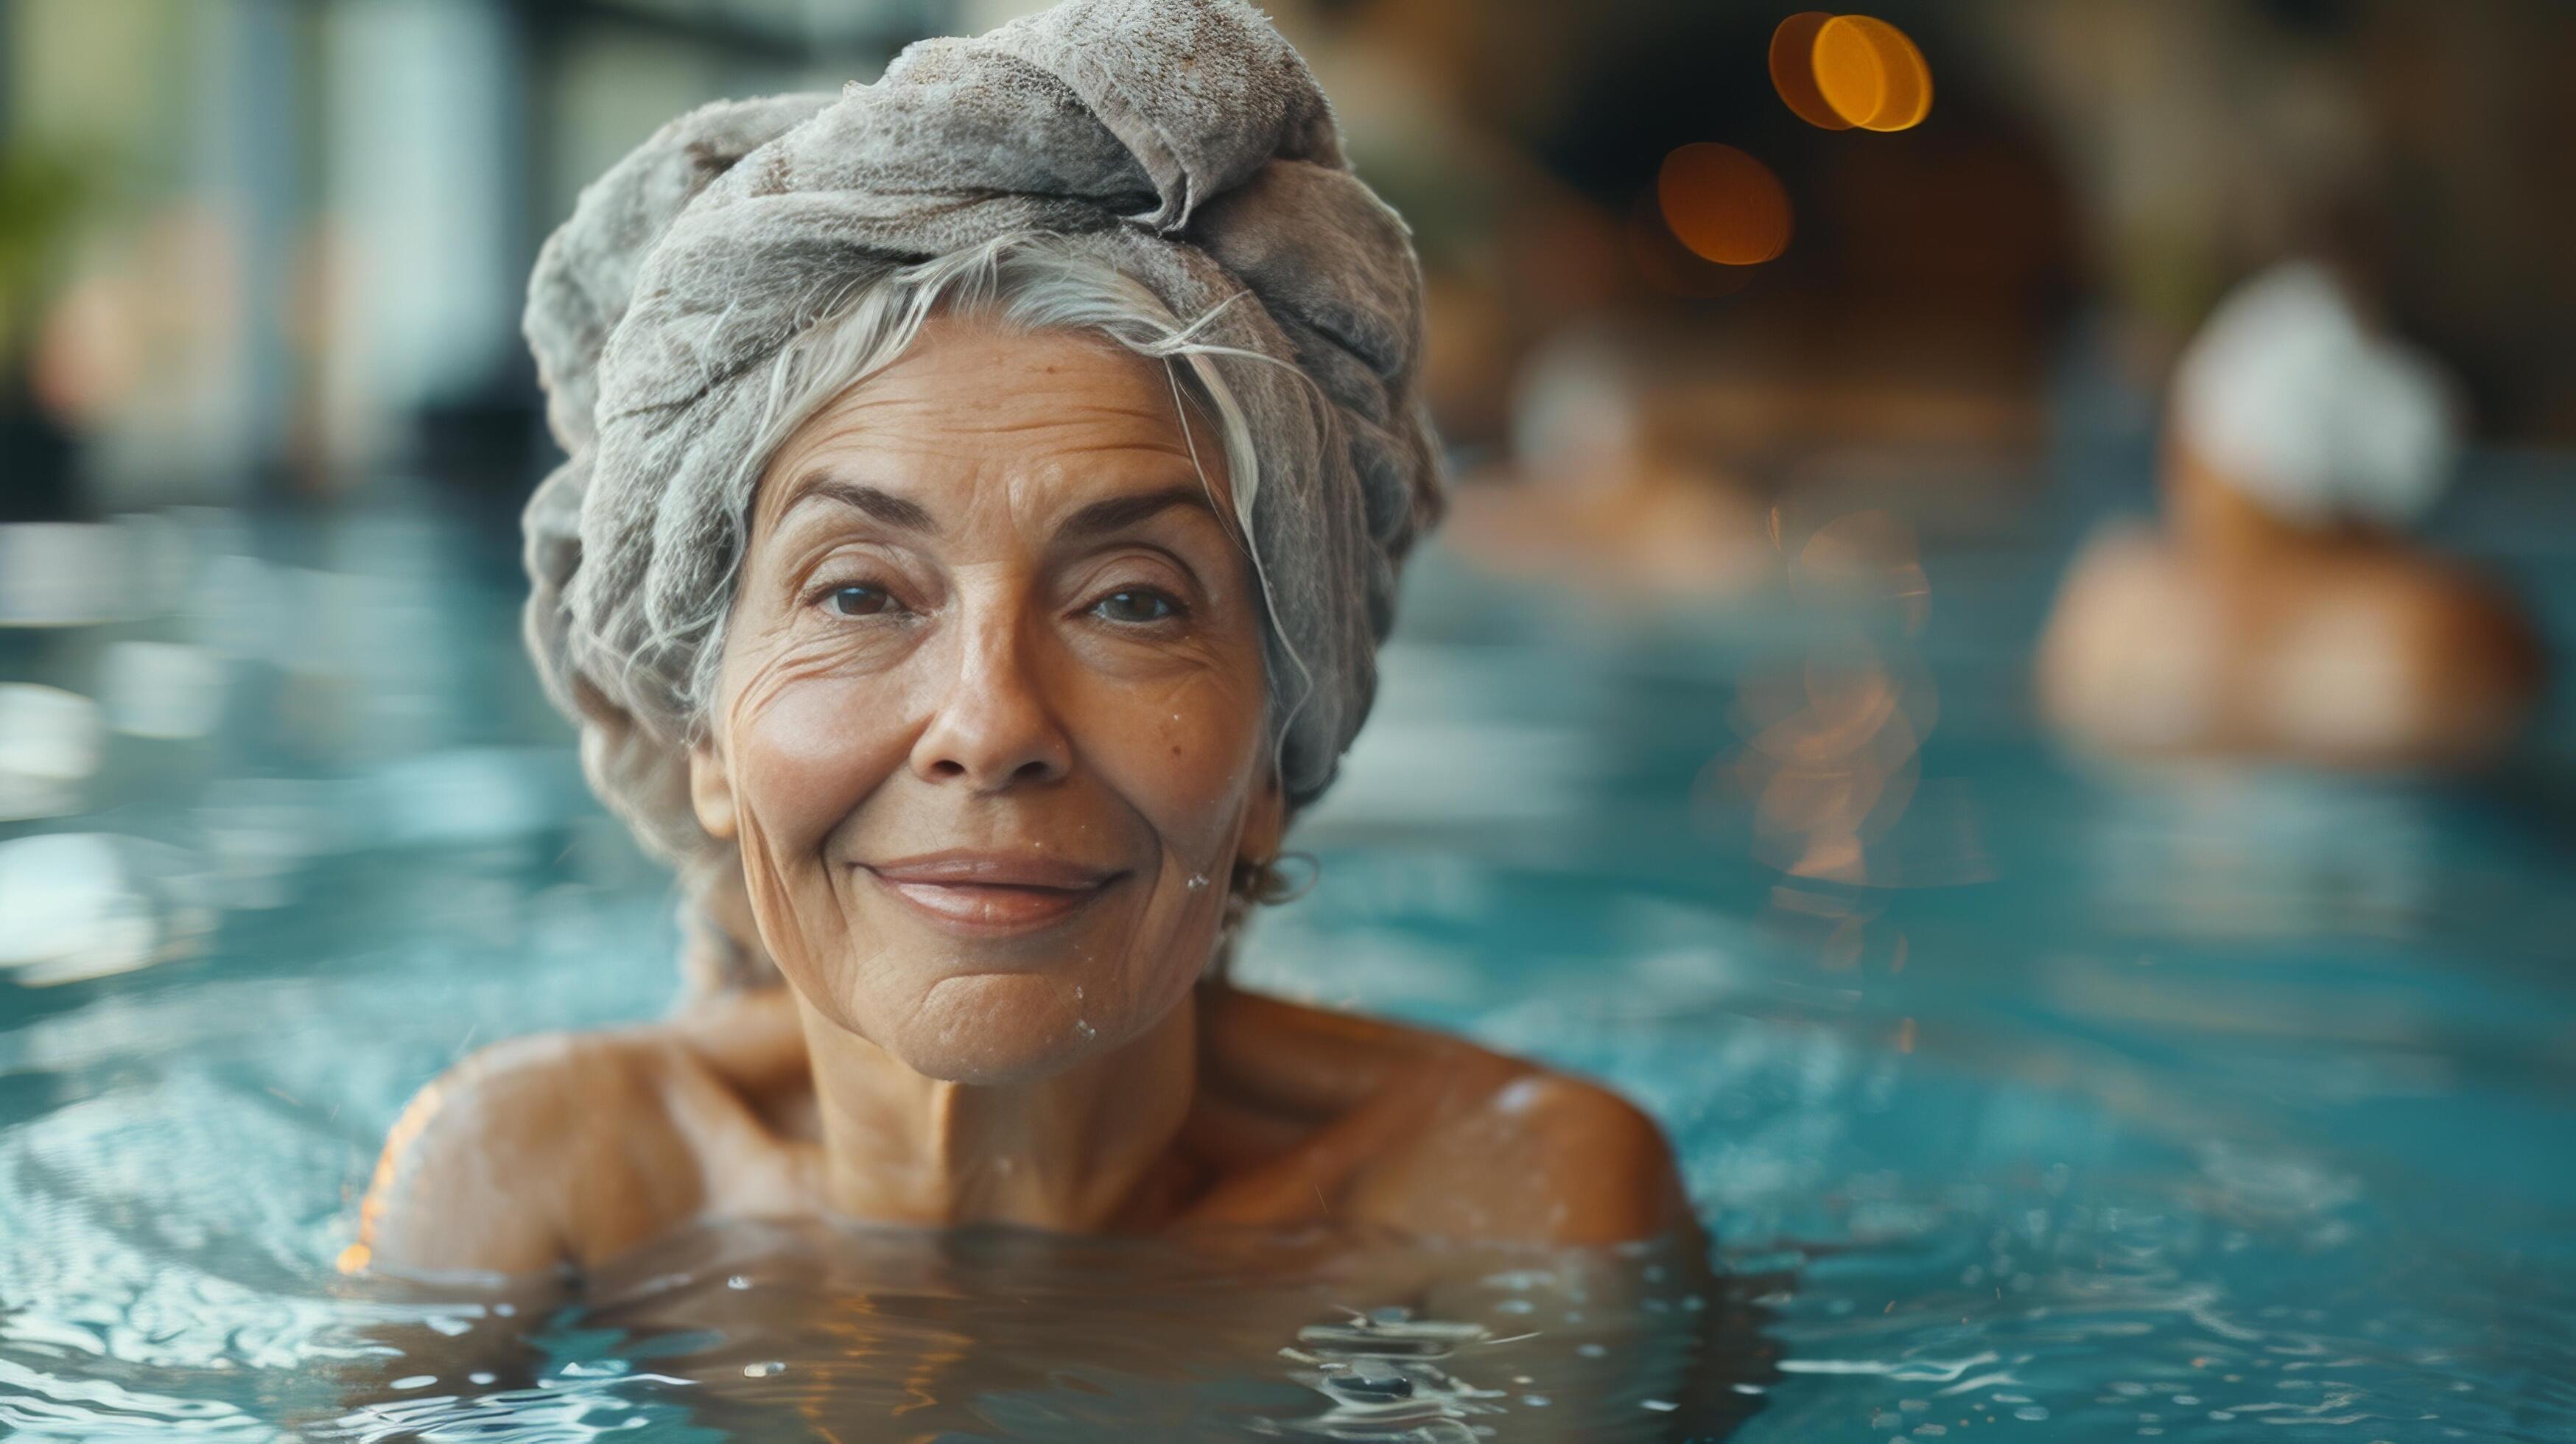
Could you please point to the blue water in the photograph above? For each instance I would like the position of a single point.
(2020, 1095)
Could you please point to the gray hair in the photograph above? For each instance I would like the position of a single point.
(1160, 173)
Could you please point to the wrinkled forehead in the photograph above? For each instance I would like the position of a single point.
(1059, 417)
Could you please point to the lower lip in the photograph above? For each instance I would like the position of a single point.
(992, 911)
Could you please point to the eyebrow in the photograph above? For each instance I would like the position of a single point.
(1100, 518)
(884, 506)
(1121, 512)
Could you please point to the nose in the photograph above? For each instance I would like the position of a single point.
(992, 729)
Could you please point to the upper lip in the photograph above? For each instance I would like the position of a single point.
(963, 867)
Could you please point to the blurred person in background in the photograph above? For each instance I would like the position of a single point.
(2368, 178)
(2283, 609)
(2286, 609)
(1597, 497)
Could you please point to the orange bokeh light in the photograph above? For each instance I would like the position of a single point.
(1840, 71)
(1793, 70)
(1723, 204)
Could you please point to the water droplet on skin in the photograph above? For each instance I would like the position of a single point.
(738, 1281)
(1198, 880)
(1087, 1031)
(764, 1369)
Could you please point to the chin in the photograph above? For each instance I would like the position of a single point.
(994, 1029)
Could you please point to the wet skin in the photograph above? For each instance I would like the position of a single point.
(991, 736)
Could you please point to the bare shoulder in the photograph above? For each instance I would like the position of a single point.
(1515, 1152)
(1433, 1134)
(550, 1149)
(1623, 1180)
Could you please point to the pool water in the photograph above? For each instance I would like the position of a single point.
(2021, 1096)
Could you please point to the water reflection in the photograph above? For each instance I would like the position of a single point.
(170, 691)
(2232, 852)
(49, 746)
(262, 831)
(64, 574)
(764, 1330)
(1829, 776)
(85, 905)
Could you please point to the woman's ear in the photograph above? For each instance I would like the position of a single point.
(711, 792)
(1265, 823)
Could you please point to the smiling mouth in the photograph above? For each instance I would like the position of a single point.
(991, 894)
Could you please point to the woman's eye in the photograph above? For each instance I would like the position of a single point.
(859, 601)
(1136, 604)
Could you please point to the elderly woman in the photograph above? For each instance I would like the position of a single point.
(985, 498)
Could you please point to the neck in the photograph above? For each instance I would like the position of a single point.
(1070, 1152)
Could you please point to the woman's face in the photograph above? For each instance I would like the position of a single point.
(990, 729)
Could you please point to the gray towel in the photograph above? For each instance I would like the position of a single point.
(1182, 141)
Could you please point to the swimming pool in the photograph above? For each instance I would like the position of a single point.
(2019, 1096)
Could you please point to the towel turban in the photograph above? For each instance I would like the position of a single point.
(1181, 143)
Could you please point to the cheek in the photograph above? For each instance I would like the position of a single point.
(1183, 752)
(806, 750)
(804, 753)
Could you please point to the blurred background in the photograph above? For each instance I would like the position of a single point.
(1784, 381)
(1737, 325)
(271, 252)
